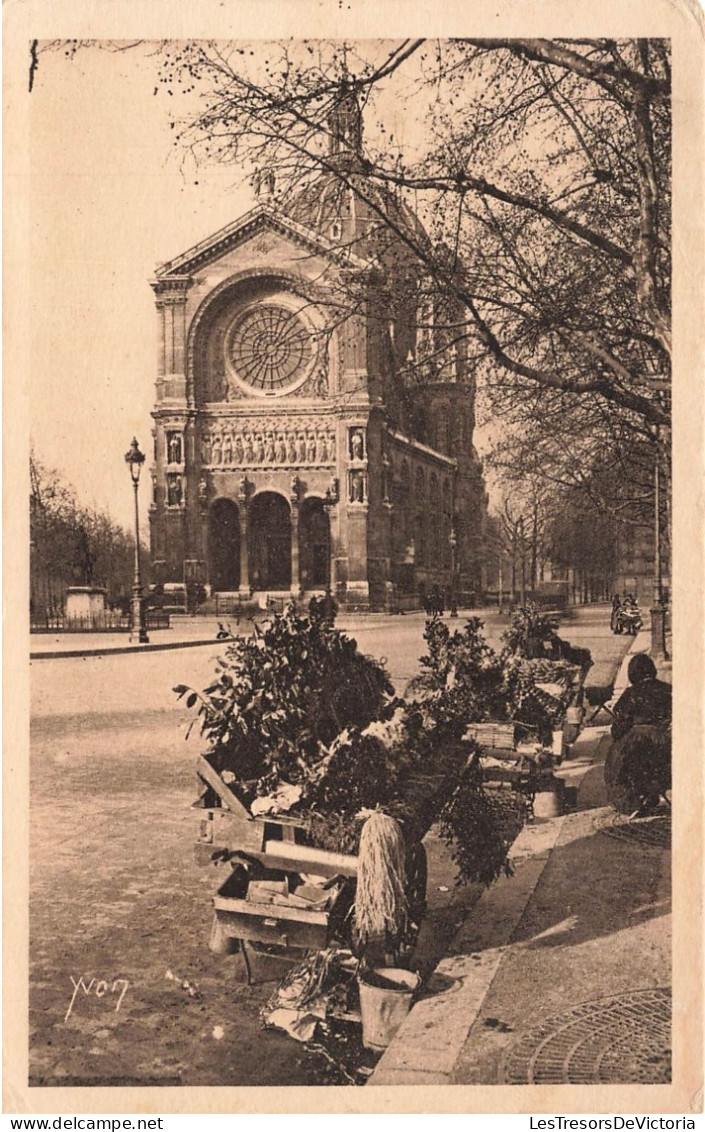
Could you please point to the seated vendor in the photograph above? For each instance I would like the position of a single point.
(647, 701)
(638, 765)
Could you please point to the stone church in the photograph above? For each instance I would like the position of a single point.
(314, 413)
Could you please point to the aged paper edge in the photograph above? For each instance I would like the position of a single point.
(683, 24)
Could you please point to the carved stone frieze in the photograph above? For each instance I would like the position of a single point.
(270, 443)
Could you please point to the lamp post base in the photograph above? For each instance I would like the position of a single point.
(658, 632)
(138, 632)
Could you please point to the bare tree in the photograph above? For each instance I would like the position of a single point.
(71, 544)
(542, 168)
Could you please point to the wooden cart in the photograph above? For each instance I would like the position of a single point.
(229, 832)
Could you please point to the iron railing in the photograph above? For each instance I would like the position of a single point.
(108, 622)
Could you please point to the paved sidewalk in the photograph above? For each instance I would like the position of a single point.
(580, 931)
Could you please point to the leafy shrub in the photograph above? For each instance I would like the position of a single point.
(462, 679)
(479, 826)
(529, 624)
(280, 698)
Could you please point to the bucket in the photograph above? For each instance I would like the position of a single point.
(571, 725)
(385, 1001)
(548, 804)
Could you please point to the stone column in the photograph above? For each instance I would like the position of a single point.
(295, 580)
(243, 494)
(170, 299)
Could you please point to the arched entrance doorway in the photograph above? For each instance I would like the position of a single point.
(314, 545)
(224, 545)
(270, 542)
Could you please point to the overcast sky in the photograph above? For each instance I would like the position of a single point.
(110, 200)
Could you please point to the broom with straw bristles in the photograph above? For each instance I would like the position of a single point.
(380, 900)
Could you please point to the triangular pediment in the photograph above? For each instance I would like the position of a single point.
(248, 227)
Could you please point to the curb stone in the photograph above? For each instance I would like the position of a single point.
(429, 1042)
(431, 1038)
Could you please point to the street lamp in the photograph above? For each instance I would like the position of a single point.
(135, 459)
(453, 541)
(658, 610)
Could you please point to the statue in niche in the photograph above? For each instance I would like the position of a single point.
(357, 487)
(320, 384)
(216, 453)
(295, 487)
(237, 449)
(385, 484)
(259, 448)
(357, 447)
(248, 452)
(270, 453)
(301, 448)
(311, 449)
(203, 491)
(227, 449)
(291, 448)
(205, 449)
(174, 492)
(281, 449)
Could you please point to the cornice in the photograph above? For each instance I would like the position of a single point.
(172, 289)
(407, 441)
(242, 229)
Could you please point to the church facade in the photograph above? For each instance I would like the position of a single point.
(313, 424)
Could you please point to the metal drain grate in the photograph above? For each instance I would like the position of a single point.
(623, 1040)
(654, 830)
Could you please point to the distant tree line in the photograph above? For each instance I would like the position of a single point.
(72, 545)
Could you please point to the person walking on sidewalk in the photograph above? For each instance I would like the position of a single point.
(638, 765)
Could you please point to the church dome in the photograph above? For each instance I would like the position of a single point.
(344, 203)
(350, 209)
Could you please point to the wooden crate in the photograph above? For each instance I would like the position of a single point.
(491, 737)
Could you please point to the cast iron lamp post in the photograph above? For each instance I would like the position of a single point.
(135, 459)
(658, 610)
(453, 541)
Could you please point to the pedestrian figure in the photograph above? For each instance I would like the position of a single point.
(329, 607)
(616, 603)
(638, 765)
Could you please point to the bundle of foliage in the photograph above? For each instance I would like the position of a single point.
(462, 679)
(297, 715)
(529, 626)
(479, 825)
(280, 698)
(465, 681)
(535, 711)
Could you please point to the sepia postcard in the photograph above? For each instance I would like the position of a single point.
(353, 513)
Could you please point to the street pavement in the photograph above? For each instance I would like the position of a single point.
(117, 898)
(99, 681)
(561, 973)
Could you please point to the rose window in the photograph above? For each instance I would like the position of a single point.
(270, 348)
